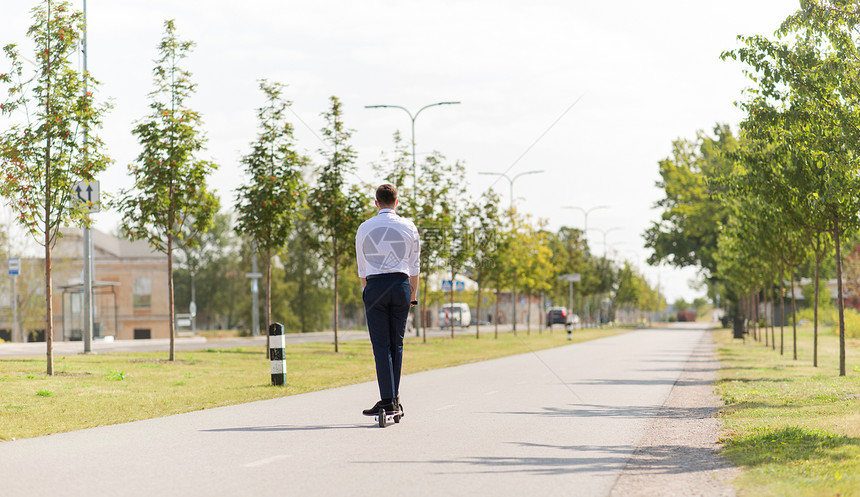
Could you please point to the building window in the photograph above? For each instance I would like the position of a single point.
(142, 293)
(142, 334)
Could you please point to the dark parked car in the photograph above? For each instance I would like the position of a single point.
(556, 315)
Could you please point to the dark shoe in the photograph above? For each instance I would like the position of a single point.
(400, 406)
(373, 411)
(385, 404)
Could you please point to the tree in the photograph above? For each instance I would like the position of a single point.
(485, 236)
(807, 96)
(43, 151)
(336, 209)
(532, 244)
(688, 230)
(169, 204)
(209, 275)
(268, 206)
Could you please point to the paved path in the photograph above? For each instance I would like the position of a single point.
(559, 422)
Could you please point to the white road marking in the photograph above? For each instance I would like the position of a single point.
(268, 460)
(446, 407)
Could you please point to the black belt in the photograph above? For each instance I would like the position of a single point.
(385, 275)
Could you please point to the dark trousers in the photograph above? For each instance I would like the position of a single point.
(386, 302)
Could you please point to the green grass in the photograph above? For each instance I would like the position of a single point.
(96, 390)
(795, 429)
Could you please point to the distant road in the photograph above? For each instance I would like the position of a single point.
(12, 349)
(563, 421)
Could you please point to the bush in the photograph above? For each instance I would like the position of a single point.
(829, 317)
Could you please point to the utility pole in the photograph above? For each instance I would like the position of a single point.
(88, 237)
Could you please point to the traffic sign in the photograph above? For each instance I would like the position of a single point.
(573, 277)
(87, 192)
(446, 285)
(14, 265)
(459, 286)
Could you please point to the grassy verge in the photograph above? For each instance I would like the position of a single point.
(96, 390)
(795, 429)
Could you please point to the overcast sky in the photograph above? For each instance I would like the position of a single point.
(641, 73)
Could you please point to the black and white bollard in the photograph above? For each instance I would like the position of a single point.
(277, 354)
(569, 326)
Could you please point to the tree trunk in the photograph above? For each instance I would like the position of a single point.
(49, 322)
(793, 314)
(514, 302)
(764, 328)
(49, 308)
(772, 318)
(171, 324)
(815, 315)
(478, 310)
(334, 245)
(496, 319)
(782, 312)
(529, 314)
(451, 315)
(840, 303)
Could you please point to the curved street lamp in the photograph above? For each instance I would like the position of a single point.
(511, 180)
(585, 212)
(605, 232)
(412, 118)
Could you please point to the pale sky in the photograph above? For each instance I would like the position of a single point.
(645, 73)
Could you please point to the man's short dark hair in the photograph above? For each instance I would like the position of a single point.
(386, 195)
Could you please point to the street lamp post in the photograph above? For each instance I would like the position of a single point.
(511, 181)
(412, 118)
(585, 213)
(605, 232)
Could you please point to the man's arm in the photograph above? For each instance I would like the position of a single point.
(413, 285)
(364, 283)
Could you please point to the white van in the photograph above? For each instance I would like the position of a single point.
(461, 313)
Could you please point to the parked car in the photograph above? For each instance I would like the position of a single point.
(461, 314)
(556, 315)
(560, 315)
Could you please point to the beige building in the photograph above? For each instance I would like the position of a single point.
(129, 290)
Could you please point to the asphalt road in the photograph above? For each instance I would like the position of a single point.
(559, 422)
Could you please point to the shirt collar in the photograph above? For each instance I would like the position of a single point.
(386, 211)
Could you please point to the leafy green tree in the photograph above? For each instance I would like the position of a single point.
(531, 256)
(267, 206)
(43, 152)
(689, 227)
(569, 256)
(211, 272)
(336, 208)
(169, 204)
(485, 219)
(808, 83)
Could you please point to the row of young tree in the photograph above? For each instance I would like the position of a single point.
(288, 206)
(783, 197)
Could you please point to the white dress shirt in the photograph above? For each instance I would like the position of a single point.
(387, 243)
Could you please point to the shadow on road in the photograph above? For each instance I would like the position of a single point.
(623, 412)
(666, 459)
(288, 428)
